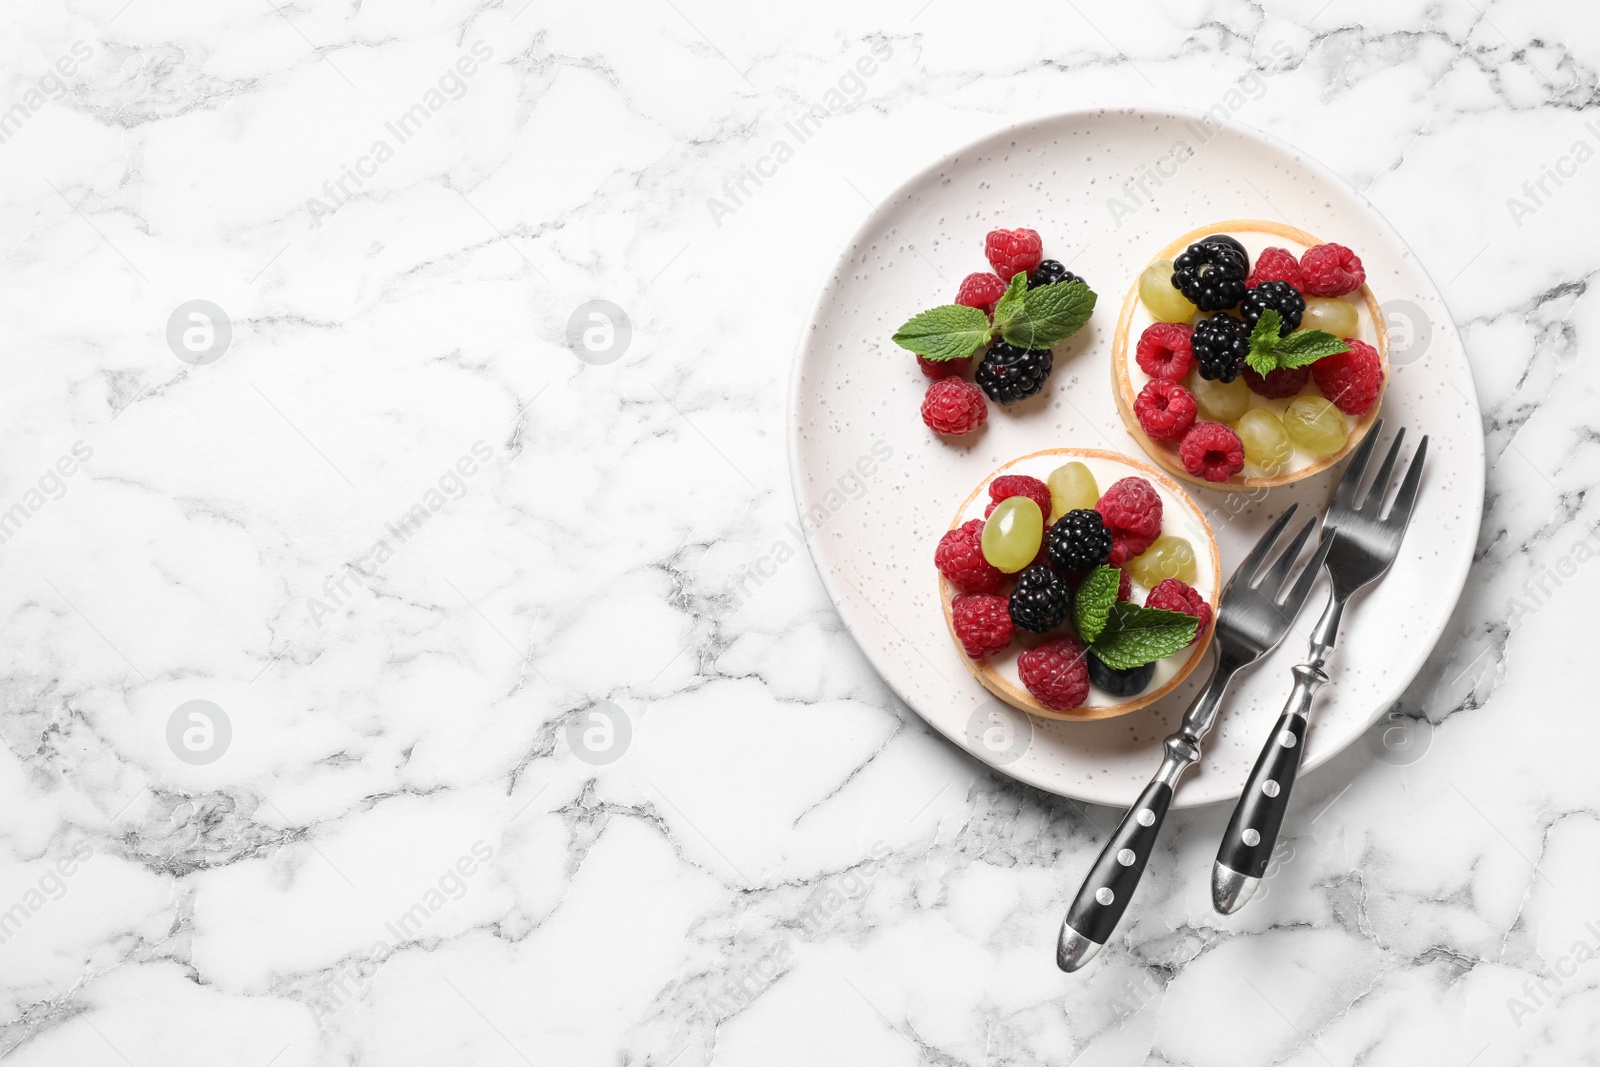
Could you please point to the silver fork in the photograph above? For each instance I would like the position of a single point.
(1252, 618)
(1360, 546)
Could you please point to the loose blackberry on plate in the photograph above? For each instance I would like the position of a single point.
(1210, 276)
(1051, 272)
(1041, 600)
(1008, 373)
(1220, 344)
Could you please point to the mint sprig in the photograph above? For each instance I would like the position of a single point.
(1134, 636)
(1030, 318)
(1270, 352)
(1092, 604)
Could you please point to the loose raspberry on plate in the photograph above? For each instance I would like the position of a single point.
(1019, 485)
(1010, 251)
(1173, 595)
(1131, 509)
(1212, 451)
(981, 291)
(1056, 673)
(943, 368)
(1276, 265)
(959, 558)
(1351, 380)
(1163, 350)
(983, 624)
(1283, 382)
(954, 406)
(1331, 270)
(1165, 409)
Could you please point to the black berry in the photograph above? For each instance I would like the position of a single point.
(1050, 272)
(1211, 276)
(1117, 683)
(1040, 600)
(1232, 243)
(1009, 373)
(1220, 344)
(1079, 541)
(1281, 297)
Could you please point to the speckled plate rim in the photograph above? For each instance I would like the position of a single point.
(1400, 675)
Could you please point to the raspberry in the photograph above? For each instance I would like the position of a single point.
(1019, 485)
(1078, 542)
(1353, 379)
(1285, 381)
(1163, 350)
(1056, 674)
(981, 291)
(1173, 595)
(1276, 265)
(943, 368)
(1124, 585)
(1212, 451)
(1010, 251)
(959, 558)
(954, 406)
(1131, 510)
(1165, 409)
(1331, 270)
(1040, 601)
(983, 624)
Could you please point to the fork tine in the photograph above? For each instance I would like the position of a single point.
(1247, 566)
(1272, 581)
(1400, 512)
(1380, 485)
(1345, 496)
(1294, 597)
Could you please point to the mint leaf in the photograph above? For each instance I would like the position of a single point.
(948, 332)
(1009, 308)
(1093, 602)
(1135, 636)
(1263, 355)
(1304, 347)
(1050, 314)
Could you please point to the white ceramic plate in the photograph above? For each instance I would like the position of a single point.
(876, 488)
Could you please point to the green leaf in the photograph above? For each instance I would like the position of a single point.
(1135, 636)
(1263, 355)
(1050, 314)
(948, 332)
(1009, 307)
(1304, 347)
(1093, 602)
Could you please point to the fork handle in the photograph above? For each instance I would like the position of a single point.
(1110, 883)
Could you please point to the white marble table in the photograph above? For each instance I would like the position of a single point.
(374, 513)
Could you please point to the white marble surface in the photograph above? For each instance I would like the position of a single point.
(399, 858)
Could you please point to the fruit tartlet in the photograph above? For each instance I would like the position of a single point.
(1079, 584)
(1249, 354)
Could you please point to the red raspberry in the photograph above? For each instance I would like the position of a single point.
(1131, 510)
(1009, 251)
(1019, 485)
(1285, 381)
(1331, 270)
(1276, 265)
(983, 624)
(1352, 380)
(1165, 409)
(1056, 673)
(981, 291)
(1163, 350)
(954, 406)
(1173, 595)
(1124, 585)
(943, 368)
(1212, 451)
(959, 558)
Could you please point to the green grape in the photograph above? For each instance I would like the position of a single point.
(1071, 488)
(1332, 314)
(1012, 534)
(1219, 401)
(1163, 301)
(1315, 425)
(1167, 557)
(1266, 442)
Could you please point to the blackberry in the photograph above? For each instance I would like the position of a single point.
(1040, 600)
(1281, 297)
(1078, 542)
(1220, 344)
(1009, 373)
(1210, 276)
(1051, 272)
(1117, 683)
(1225, 241)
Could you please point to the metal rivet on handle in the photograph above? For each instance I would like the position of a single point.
(1287, 739)
(1126, 857)
(1252, 838)
(1269, 787)
(1146, 817)
(1104, 895)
